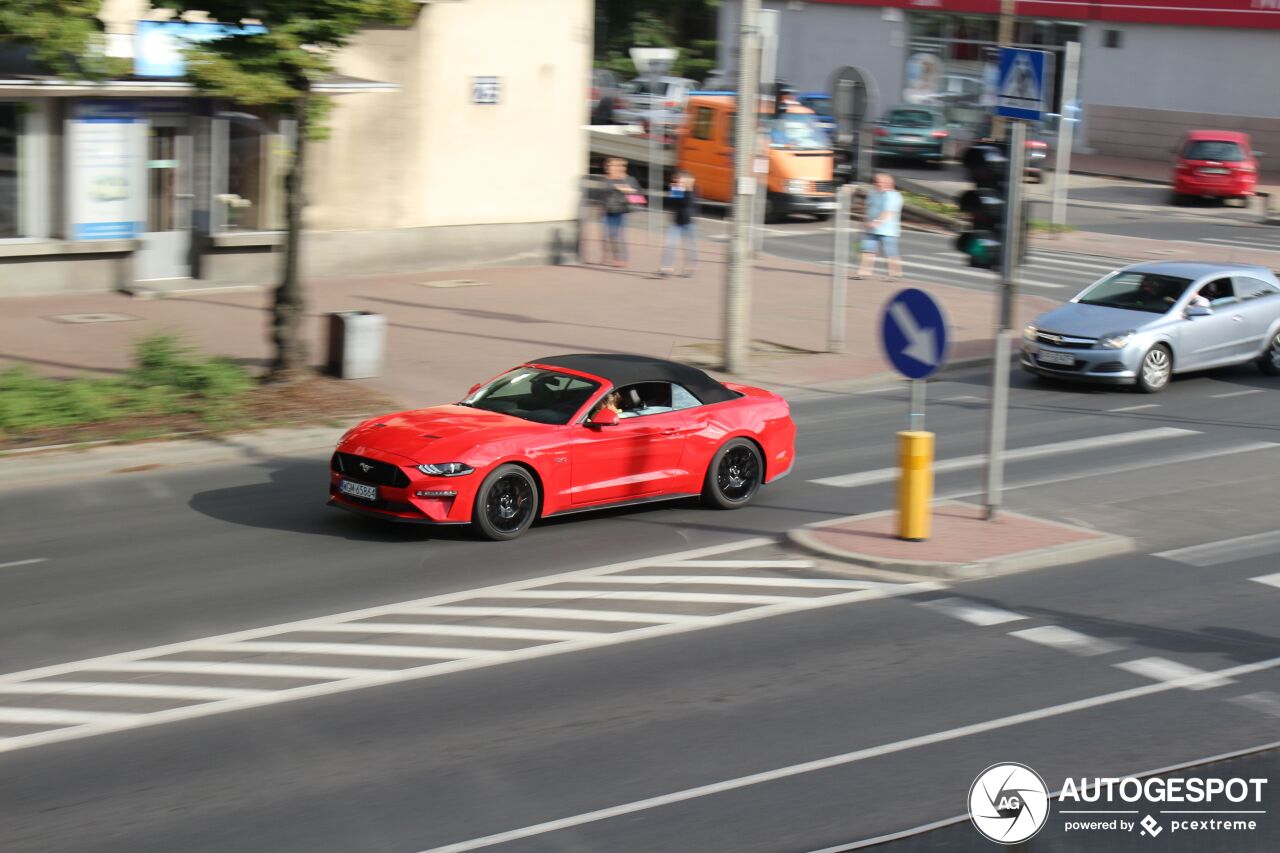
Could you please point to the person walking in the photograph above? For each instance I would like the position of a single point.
(883, 227)
(682, 201)
(620, 192)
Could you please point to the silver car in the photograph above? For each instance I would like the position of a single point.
(1141, 324)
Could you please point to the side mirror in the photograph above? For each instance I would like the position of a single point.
(1199, 310)
(603, 418)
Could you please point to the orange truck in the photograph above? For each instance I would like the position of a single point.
(799, 154)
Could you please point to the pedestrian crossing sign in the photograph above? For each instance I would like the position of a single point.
(1022, 90)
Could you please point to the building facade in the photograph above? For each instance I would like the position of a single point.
(1149, 69)
(455, 142)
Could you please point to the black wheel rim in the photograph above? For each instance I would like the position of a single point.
(509, 504)
(1274, 354)
(737, 474)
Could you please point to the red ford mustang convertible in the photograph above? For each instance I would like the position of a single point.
(566, 434)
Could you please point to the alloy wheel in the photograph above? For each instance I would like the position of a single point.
(509, 503)
(1156, 368)
(737, 473)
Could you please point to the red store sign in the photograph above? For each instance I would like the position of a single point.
(1246, 14)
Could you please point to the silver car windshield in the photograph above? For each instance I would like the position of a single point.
(1136, 291)
(544, 396)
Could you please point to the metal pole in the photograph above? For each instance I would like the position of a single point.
(1066, 127)
(769, 21)
(1004, 36)
(840, 269)
(737, 307)
(655, 180)
(1004, 337)
(915, 412)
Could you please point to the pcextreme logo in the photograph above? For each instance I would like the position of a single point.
(1008, 803)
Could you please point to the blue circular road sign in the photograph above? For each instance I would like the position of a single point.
(913, 333)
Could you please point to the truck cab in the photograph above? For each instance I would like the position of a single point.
(798, 153)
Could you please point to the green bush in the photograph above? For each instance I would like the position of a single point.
(167, 377)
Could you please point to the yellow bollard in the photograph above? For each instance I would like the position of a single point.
(915, 484)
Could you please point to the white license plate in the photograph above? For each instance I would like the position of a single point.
(358, 490)
(826, 205)
(1215, 171)
(1056, 357)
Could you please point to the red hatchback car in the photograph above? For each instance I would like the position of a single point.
(1217, 163)
(565, 434)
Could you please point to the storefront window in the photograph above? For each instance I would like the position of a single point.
(254, 158)
(10, 136)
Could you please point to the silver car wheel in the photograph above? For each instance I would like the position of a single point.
(1156, 368)
(1274, 352)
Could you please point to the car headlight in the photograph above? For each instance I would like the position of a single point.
(1116, 340)
(1029, 333)
(445, 469)
(797, 185)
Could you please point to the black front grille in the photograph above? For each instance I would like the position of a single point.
(1055, 340)
(824, 186)
(369, 470)
(1109, 367)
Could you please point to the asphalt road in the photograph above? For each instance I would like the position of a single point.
(900, 693)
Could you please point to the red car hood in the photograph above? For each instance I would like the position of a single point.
(429, 435)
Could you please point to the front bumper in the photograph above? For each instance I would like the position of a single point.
(930, 151)
(1106, 366)
(403, 501)
(784, 203)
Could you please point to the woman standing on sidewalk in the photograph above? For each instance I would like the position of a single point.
(620, 193)
(682, 202)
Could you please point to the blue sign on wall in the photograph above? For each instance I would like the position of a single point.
(158, 45)
(913, 333)
(1022, 88)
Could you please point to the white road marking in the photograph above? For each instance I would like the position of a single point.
(371, 650)
(1101, 268)
(262, 670)
(1176, 459)
(1266, 702)
(15, 563)
(848, 758)
(1269, 580)
(744, 564)
(629, 595)
(130, 690)
(972, 612)
(57, 717)
(1236, 393)
(228, 653)
(454, 630)
(731, 580)
(963, 398)
(983, 275)
(1242, 244)
(1067, 640)
(1225, 550)
(887, 475)
(1168, 671)
(1137, 408)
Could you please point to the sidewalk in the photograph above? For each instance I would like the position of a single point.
(447, 331)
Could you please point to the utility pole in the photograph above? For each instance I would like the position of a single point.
(1004, 36)
(737, 291)
(1066, 126)
(1012, 255)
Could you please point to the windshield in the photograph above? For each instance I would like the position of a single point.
(1213, 150)
(798, 130)
(821, 106)
(542, 396)
(1136, 291)
(911, 118)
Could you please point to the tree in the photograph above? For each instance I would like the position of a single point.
(687, 24)
(278, 68)
(63, 35)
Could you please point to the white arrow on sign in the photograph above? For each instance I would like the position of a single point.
(922, 344)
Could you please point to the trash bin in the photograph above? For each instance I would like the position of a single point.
(356, 344)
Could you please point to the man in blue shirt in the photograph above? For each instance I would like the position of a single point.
(884, 225)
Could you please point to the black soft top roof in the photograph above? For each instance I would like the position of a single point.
(625, 369)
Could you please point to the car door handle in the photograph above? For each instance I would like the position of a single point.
(1236, 318)
(670, 431)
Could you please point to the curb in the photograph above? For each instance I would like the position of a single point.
(22, 469)
(1103, 545)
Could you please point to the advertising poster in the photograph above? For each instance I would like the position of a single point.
(102, 158)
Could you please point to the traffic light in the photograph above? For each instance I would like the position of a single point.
(988, 168)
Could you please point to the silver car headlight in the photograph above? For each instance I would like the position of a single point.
(445, 469)
(797, 186)
(1029, 333)
(1116, 340)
